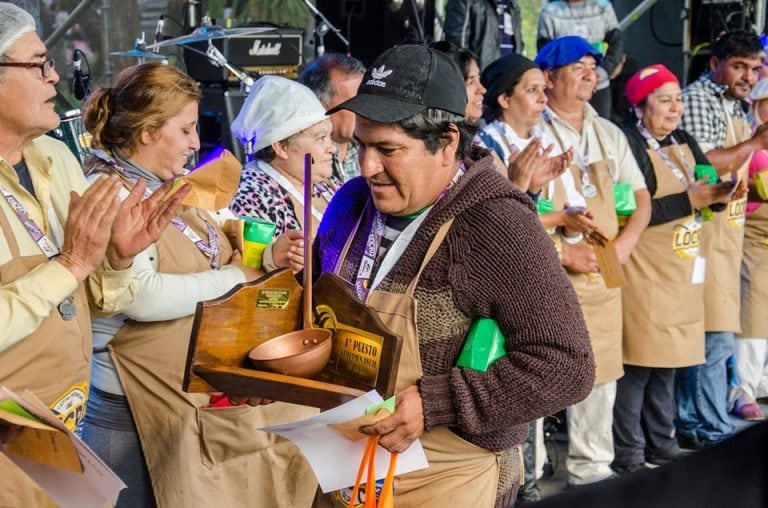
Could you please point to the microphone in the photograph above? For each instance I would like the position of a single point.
(159, 30)
(80, 81)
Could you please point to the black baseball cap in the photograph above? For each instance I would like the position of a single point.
(404, 81)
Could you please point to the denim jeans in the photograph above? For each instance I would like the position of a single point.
(701, 393)
(110, 431)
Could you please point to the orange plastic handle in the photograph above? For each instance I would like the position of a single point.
(369, 463)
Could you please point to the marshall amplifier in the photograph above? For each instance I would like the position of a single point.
(276, 52)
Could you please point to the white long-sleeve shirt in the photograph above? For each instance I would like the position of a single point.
(160, 297)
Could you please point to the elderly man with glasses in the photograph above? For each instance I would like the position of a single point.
(63, 248)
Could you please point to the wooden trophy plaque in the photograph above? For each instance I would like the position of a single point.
(365, 354)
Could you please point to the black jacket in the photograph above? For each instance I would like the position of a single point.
(474, 25)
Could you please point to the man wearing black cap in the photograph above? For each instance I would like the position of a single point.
(431, 223)
(606, 179)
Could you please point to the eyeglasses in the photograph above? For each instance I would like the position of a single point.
(45, 67)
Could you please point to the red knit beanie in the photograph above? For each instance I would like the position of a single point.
(647, 80)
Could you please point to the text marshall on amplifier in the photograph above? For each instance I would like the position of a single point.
(275, 52)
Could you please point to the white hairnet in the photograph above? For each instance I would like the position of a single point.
(14, 22)
(276, 109)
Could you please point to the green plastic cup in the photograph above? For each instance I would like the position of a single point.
(257, 234)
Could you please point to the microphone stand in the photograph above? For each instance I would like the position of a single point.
(218, 59)
(322, 28)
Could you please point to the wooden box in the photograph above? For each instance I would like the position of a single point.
(365, 354)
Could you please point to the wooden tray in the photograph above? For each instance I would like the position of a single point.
(365, 354)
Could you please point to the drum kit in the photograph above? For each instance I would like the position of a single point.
(71, 130)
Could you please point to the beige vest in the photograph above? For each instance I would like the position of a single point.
(53, 363)
(663, 309)
(197, 456)
(723, 238)
(459, 473)
(601, 306)
(754, 275)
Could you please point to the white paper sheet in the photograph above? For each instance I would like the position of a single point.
(335, 459)
(699, 270)
(96, 486)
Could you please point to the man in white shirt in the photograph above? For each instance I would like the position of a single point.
(602, 161)
(63, 248)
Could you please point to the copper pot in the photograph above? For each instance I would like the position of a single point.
(302, 353)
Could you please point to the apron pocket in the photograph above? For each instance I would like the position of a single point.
(229, 433)
(668, 310)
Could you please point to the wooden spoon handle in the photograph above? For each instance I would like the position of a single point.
(307, 307)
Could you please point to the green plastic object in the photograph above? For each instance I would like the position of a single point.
(484, 345)
(544, 206)
(12, 407)
(705, 170)
(601, 46)
(388, 404)
(257, 234)
(624, 197)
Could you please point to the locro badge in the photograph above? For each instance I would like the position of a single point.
(70, 407)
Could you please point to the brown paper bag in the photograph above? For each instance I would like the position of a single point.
(214, 182)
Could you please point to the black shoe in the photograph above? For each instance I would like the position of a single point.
(629, 469)
(662, 459)
(529, 495)
(689, 443)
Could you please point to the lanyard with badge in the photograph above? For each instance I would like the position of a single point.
(67, 307)
(623, 194)
(656, 146)
(588, 189)
(362, 280)
(210, 249)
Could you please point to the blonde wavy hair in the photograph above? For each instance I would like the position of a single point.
(144, 98)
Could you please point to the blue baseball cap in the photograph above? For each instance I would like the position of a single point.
(565, 51)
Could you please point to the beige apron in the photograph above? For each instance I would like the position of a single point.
(202, 456)
(754, 275)
(722, 243)
(460, 473)
(663, 309)
(53, 363)
(601, 306)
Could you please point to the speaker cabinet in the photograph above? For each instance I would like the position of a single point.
(275, 52)
(219, 107)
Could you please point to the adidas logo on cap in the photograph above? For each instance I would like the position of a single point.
(377, 74)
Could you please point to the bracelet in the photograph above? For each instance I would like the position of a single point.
(573, 240)
(558, 247)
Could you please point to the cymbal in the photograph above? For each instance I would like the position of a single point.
(206, 33)
(137, 53)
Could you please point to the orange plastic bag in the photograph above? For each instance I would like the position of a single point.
(386, 499)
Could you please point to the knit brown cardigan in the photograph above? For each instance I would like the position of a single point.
(497, 261)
